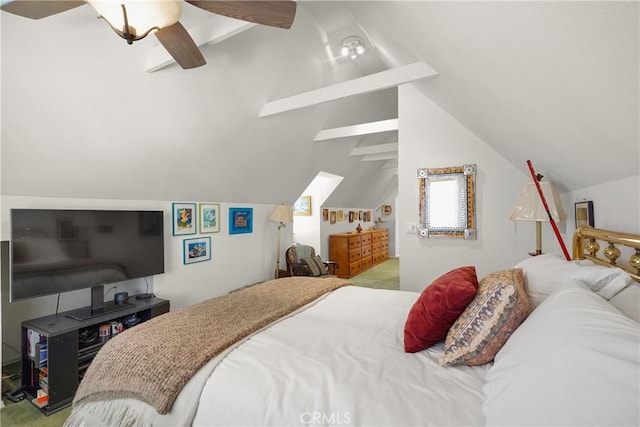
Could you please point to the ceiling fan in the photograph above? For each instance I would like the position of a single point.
(135, 19)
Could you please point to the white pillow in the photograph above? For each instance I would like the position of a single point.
(547, 272)
(611, 285)
(628, 301)
(574, 361)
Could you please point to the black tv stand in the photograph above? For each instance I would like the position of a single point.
(89, 312)
(57, 350)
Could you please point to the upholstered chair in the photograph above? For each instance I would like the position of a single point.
(303, 261)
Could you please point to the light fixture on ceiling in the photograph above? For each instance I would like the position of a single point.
(352, 46)
(135, 19)
(529, 207)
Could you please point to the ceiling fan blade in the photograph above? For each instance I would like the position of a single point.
(181, 46)
(36, 9)
(276, 13)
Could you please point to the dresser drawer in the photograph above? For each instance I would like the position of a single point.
(377, 257)
(355, 254)
(355, 267)
(366, 239)
(354, 242)
(367, 261)
(375, 247)
(366, 250)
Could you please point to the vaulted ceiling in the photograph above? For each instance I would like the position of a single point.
(555, 82)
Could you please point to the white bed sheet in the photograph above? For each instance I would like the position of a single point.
(341, 362)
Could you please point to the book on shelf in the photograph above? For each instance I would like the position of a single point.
(41, 400)
(33, 339)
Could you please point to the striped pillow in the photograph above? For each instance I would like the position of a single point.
(316, 266)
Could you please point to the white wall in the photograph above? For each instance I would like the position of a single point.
(616, 204)
(307, 230)
(326, 228)
(429, 138)
(237, 260)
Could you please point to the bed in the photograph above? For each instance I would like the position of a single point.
(544, 342)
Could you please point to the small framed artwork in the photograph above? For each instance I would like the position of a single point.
(240, 220)
(340, 215)
(360, 217)
(209, 214)
(325, 214)
(196, 250)
(386, 209)
(351, 216)
(302, 206)
(332, 217)
(183, 217)
(584, 213)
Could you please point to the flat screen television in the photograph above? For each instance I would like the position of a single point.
(61, 250)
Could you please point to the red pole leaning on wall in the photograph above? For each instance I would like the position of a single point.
(546, 208)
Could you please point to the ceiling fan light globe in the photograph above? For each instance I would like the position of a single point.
(142, 15)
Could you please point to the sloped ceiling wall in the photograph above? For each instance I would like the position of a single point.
(554, 82)
(538, 80)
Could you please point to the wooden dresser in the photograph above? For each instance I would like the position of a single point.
(356, 252)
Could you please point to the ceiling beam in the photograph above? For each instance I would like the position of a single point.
(213, 31)
(390, 164)
(366, 84)
(380, 156)
(359, 129)
(375, 149)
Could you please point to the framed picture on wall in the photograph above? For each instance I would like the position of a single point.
(332, 217)
(325, 214)
(386, 209)
(302, 206)
(584, 213)
(196, 250)
(340, 215)
(209, 214)
(240, 220)
(183, 217)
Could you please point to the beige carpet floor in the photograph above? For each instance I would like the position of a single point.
(385, 275)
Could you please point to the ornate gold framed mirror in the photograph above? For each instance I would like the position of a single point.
(447, 202)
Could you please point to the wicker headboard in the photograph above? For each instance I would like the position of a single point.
(586, 246)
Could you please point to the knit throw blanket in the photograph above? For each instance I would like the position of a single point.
(154, 360)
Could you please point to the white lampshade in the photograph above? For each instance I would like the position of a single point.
(529, 206)
(281, 213)
(142, 15)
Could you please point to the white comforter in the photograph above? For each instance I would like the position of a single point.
(341, 362)
(338, 361)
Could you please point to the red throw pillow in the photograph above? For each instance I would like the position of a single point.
(438, 307)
